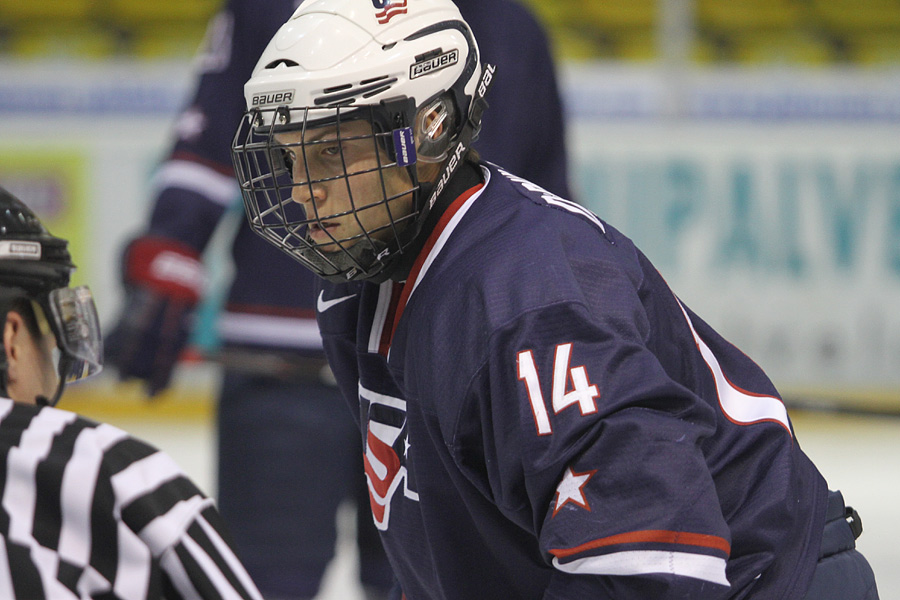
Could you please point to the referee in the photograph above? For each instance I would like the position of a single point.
(86, 511)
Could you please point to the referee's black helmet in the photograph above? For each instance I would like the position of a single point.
(31, 259)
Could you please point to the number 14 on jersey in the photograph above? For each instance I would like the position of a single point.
(582, 393)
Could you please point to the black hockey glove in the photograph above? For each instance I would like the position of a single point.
(163, 282)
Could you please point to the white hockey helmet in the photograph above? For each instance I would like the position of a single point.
(384, 61)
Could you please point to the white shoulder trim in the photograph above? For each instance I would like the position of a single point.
(738, 405)
(195, 177)
(647, 562)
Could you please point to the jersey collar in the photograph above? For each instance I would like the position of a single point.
(462, 193)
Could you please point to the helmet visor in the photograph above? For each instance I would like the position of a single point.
(77, 329)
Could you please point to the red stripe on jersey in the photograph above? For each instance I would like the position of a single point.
(652, 536)
(384, 454)
(210, 164)
(426, 250)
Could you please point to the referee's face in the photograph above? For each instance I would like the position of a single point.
(32, 361)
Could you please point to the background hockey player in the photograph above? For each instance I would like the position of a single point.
(287, 448)
(87, 511)
(542, 416)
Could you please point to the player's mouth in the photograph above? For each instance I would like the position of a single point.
(319, 232)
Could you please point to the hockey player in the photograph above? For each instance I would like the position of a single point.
(542, 416)
(87, 511)
(275, 407)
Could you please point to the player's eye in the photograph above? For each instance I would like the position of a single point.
(331, 149)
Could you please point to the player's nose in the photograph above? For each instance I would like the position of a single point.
(307, 193)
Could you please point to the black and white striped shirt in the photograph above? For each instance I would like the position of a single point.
(87, 511)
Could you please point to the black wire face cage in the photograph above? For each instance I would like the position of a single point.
(338, 196)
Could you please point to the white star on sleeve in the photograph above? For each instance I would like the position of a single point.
(571, 489)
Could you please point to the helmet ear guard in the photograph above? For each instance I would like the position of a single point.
(435, 128)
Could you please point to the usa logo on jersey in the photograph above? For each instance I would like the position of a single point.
(387, 446)
(388, 9)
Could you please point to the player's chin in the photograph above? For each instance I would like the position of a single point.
(328, 249)
(331, 246)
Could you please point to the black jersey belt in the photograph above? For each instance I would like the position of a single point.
(279, 365)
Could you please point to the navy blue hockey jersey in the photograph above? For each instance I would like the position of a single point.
(543, 418)
(196, 184)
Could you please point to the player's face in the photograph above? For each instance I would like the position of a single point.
(348, 194)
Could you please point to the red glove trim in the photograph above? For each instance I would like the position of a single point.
(168, 267)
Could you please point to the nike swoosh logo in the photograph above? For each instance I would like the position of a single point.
(322, 304)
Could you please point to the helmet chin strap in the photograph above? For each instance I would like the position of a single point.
(64, 364)
(42, 400)
(348, 263)
(63, 368)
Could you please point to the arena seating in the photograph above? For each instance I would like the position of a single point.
(764, 32)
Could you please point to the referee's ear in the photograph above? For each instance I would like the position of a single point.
(15, 331)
